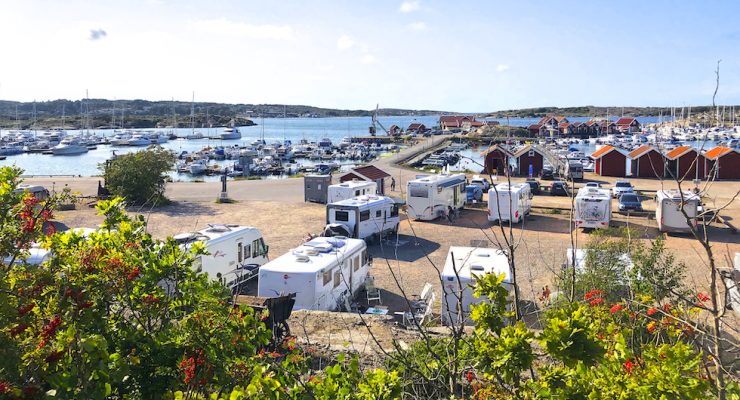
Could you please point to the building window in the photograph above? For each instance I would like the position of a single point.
(364, 216)
(327, 277)
(337, 278)
(531, 153)
(239, 252)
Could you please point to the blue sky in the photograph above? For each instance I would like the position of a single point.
(457, 56)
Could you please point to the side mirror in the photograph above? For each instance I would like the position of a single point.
(267, 249)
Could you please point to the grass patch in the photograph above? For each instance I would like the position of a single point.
(249, 178)
(297, 176)
(553, 211)
(225, 201)
(198, 181)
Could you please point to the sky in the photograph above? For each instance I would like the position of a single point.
(464, 56)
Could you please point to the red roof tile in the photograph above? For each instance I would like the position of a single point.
(592, 123)
(497, 148)
(534, 126)
(602, 151)
(371, 172)
(678, 151)
(565, 125)
(639, 152)
(476, 123)
(414, 127)
(526, 149)
(626, 121)
(717, 152)
(577, 123)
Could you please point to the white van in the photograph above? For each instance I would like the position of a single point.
(468, 263)
(368, 217)
(509, 203)
(574, 170)
(593, 208)
(668, 215)
(350, 189)
(235, 252)
(428, 197)
(322, 273)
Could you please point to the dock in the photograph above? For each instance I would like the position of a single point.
(384, 139)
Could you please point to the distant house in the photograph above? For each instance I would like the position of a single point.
(608, 127)
(491, 123)
(394, 130)
(647, 162)
(416, 128)
(529, 157)
(610, 161)
(593, 128)
(448, 122)
(685, 161)
(496, 160)
(564, 128)
(628, 125)
(723, 163)
(368, 173)
(536, 129)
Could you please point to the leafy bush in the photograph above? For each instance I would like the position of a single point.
(139, 177)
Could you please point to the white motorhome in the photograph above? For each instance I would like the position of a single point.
(468, 263)
(574, 170)
(593, 208)
(235, 251)
(367, 217)
(428, 197)
(669, 216)
(322, 273)
(509, 202)
(350, 189)
(581, 260)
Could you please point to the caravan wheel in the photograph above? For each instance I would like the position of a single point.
(280, 332)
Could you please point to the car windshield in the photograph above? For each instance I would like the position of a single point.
(630, 198)
(623, 184)
(471, 189)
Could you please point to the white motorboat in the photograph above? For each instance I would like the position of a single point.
(230, 133)
(197, 167)
(70, 146)
(140, 140)
(250, 152)
(194, 135)
(158, 138)
(325, 142)
(346, 141)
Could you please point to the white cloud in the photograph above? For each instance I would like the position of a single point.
(368, 59)
(419, 26)
(224, 26)
(409, 6)
(502, 68)
(344, 43)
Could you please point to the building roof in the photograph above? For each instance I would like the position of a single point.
(602, 152)
(526, 149)
(592, 123)
(718, 152)
(534, 126)
(577, 123)
(544, 120)
(370, 172)
(413, 127)
(565, 125)
(560, 119)
(626, 121)
(476, 123)
(497, 148)
(393, 127)
(678, 151)
(640, 151)
(454, 120)
(492, 123)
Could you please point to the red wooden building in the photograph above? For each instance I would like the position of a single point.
(416, 128)
(628, 125)
(685, 161)
(723, 163)
(647, 162)
(527, 157)
(496, 160)
(610, 161)
(368, 173)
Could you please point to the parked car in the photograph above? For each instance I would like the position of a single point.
(559, 188)
(412, 134)
(547, 173)
(482, 183)
(428, 134)
(621, 187)
(534, 186)
(593, 185)
(630, 201)
(473, 192)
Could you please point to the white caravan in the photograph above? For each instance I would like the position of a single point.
(509, 202)
(428, 197)
(668, 215)
(322, 273)
(367, 217)
(469, 262)
(235, 252)
(593, 208)
(350, 189)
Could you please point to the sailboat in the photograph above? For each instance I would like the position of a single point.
(193, 134)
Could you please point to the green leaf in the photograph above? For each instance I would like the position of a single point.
(340, 357)
(337, 369)
(178, 395)
(251, 390)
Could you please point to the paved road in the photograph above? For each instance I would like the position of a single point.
(275, 190)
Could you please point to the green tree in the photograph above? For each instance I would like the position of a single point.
(140, 177)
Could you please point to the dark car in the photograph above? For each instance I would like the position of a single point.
(534, 186)
(559, 188)
(630, 201)
(547, 173)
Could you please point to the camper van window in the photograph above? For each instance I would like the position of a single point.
(327, 277)
(247, 251)
(239, 252)
(337, 278)
(263, 248)
(418, 191)
(357, 263)
(378, 214)
(364, 256)
(357, 192)
(394, 211)
(342, 216)
(364, 216)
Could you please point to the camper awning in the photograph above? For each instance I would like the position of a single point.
(451, 183)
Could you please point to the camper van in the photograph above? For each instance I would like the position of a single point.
(39, 191)
(582, 261)
(574, 170)
(669, 217)
(322, 273)
(509, 202)
(469, 262)
(428, 197)
(367, 217)
(235, 251)
(350, 189)
(593, 208)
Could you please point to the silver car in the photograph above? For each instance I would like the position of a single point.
(621, 187)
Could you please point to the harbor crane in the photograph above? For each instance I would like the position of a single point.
(373, 129)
